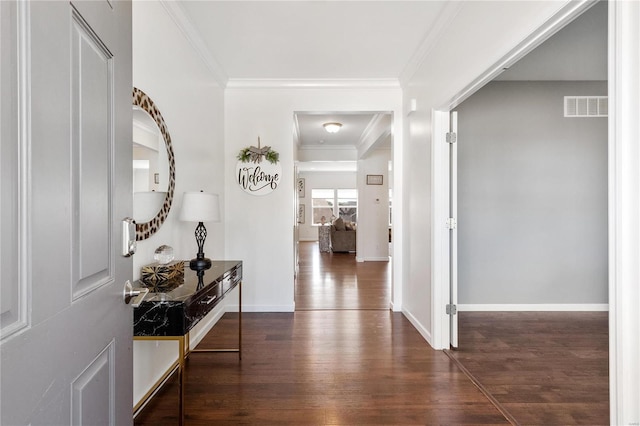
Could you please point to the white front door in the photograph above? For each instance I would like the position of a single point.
(66, 342)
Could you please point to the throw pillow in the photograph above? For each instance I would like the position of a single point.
(339, 224)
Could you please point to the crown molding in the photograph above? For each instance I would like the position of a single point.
(447, 15)
(367, 134)
(179, 17)
(375, 132)
(277, 83)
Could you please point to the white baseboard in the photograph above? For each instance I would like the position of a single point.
(308, 240)
(262, 308)
(373, 259)
(421, 329)
(541, 307)
(377, 259)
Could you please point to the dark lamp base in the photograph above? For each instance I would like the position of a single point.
(200, 264)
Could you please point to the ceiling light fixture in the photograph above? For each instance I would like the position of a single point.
(332, 127)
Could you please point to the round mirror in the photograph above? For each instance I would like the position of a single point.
(153, 166)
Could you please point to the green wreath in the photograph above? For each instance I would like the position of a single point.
(256, 154)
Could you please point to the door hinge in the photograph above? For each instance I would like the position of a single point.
(452, 137)
(451, 223)
(451, 309)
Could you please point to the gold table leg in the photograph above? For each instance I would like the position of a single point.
(181, 379)
(240, 320)
(239, 348)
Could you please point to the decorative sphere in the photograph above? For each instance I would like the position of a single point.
(163, 254)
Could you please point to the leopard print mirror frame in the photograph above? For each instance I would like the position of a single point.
(147, 229)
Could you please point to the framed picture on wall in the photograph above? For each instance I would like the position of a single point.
(301, 214)
(374, 179)
(301, 187)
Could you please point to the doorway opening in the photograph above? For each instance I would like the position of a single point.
(343, 201)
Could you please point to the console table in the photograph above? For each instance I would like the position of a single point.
(173, 308)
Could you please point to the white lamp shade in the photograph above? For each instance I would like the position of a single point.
(200, 207)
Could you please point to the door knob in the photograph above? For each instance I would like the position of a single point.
(133, 296)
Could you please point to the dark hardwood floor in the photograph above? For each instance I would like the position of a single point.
(344, 359)
(337, 281)
(348, 367)
(545, 368)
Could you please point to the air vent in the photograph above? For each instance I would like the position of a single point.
(586, 106)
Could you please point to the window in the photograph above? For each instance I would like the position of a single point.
(347, 204)
(334, 202)
(323, 202)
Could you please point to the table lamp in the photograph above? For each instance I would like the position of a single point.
(200, 207)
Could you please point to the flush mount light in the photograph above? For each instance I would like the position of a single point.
(332, 127)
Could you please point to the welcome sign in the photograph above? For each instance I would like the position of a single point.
(258, 178)
(255, 176)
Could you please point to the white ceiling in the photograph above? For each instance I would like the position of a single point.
(350, 39)
(312, 133)
(313, 39)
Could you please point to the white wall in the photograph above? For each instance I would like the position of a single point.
(417, 223)
(373, 208)
(321, 180)
(311, 153)
(260, 230)
(532, 197)
(166, 68)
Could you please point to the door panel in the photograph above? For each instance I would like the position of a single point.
(72, 106)
(92, 139)
(13, 306)
(88, 406)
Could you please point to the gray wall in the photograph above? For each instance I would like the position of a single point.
(532, 196)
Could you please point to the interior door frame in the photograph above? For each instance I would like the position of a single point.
(396, 176)
(440, 244)
(624, 196)
(453, 230)
(624, 211)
